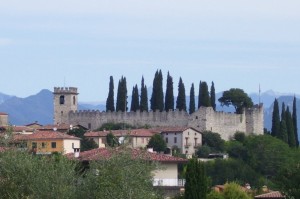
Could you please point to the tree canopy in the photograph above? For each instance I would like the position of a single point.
(157, 98)
(110, 103)
(237, 98)
(192, 100)
(181, 100)
(144, 97)
(169, 100)
(157, 143)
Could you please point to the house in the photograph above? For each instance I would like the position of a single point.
(270, 195)
(63, 127)
(3, 119)
(34, 125)
(137, 138)
(17, 129)
(186, 139)
(47, 142)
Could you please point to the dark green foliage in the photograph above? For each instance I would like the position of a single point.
(275, 120)
(157, 98)
(85, 143)
(233, 191)
(295, 121)
(215, 195)
(157, 143)
(236, 149)
(110, 102)
(213, 140)
(290, 128)
(199, 96)
(283, 112)
(169, 100)
(115, 126)
(204, 151)
(213, 96)
(237, 98)
(181, 100)
(135, 104)
(192, 100)
(122, 95)
(239, 136)
(196, 186)
(144, 97)
(283, 133)
(204, 99)
(111, 140)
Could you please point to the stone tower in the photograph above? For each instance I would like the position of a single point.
(65, 100)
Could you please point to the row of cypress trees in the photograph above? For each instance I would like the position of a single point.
(284, 126)
(158, 101)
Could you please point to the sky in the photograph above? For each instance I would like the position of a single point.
(235, 43)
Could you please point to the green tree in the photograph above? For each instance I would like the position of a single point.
(181, 100)
(196, 186)
(275, 119)
(236, 149)
(169, 100)
(234, 191)
(215, 195)
(213, 140)
(110, 103)
(283, 132)
(240, 136)
(111, 140)
(199, 95)
(157, 98)
(237, 98)
(295, 121)
(122, 95)
(85, 143)
(213, 96)
(135, 104)
(283, 112)
(144, 97)
(204, 95)
(290, 128)
(157, 143)
(192, 100)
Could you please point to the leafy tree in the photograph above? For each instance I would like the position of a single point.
(144, 97)
(213, 96)
(239, 136)
(196, 186)
(236, 149)
(157, 98)
(135, 104)
(204, 99)
(85, 143)
(234, 191)
(111, 140)
(213, 140)
(169, 100)
(157, 143)
(122, 95)
(295, 121)
(215, 195)
(192, 100)
(110, 103)
(204, 151)
(290, 128)
(275, 120)
(237, 98)
(181, 100)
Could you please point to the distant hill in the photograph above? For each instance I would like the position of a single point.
(4, 97)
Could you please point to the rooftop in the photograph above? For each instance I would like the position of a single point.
(119, 133)
(271, 195)
(41, 135)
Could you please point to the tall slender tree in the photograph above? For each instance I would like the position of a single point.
(204, 95)
(290, 128)
(169, 99)
(192, 100)
(199, 96)
(122, 95)
(295, 121)
(283, 134)
(213, 96)
(110, 103)
(135, 104)
(275, 119)
(144, 97)
(283, 112)
(157, 98)
(181, 100)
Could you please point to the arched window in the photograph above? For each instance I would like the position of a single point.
(74, 100)
(62, 99)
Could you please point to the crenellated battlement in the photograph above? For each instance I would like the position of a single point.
(65, 90)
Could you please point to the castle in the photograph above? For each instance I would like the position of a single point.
(204, 119)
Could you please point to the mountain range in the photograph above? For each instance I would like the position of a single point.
(39, 107)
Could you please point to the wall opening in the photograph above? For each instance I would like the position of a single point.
(62, 99)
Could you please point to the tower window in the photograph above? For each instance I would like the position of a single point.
(62, 99)
(74, 100)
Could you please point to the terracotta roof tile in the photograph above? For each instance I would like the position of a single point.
(274, 194)
(44, 135)
(57, 126)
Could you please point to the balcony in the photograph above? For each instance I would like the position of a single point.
(169, 182)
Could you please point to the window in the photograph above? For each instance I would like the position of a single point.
(62, 99)
(53, 145)
(43, 145)
(175, 139)
(196, 141)
(74, 100)
(89, 126)
(72, 145)
(196, 117)
(34, 145)
(167, 140)
(175, 133)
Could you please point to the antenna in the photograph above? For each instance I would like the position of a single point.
(259, 95)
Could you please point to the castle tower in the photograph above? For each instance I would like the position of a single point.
(65, 100)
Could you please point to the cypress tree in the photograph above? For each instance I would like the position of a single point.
(295, 121)
(290, 128)
(283, 112)
(275, 120)
(204, 95)
(192, 100)
(110, 104)
(199, 96)
(135, 105)
(283, 134)
(181, 100)
(144, 97)
(213, 96)
(122, 95)
(169, 99)
(196, 186)
(157, 98)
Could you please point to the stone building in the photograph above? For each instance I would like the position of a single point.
(204, 119)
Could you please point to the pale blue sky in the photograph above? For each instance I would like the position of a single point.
(235, 43)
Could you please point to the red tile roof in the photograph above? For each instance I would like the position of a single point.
(56, 126)
(100, 153)
(119, 133)
(2, 113)
(3, 149)
(18, 128)
(41, 135)
(272, 195)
